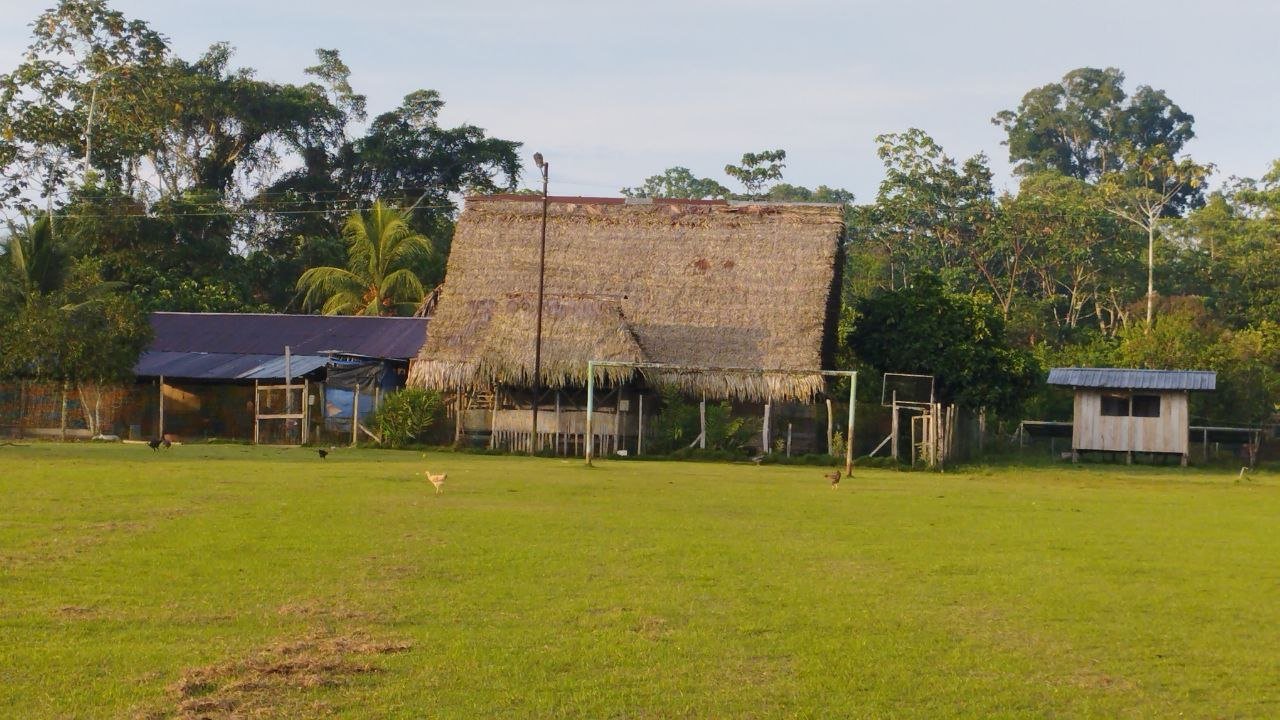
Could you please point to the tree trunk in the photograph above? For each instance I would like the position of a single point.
(1151, 272)
(62, 433)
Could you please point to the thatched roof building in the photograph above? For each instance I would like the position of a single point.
(693, 283)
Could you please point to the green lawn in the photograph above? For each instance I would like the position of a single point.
(228, 581)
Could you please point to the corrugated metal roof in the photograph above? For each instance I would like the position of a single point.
(392, 338)
(1129, 379)
(223, 366)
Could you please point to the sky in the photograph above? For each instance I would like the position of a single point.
(613, 92)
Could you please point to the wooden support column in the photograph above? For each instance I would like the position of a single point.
(764, 429)
(640, 425)
(848, 441)
(160, 423)
(63, 415)
(355, 416)
(831, 426)
(591, 404)
(493, 420)
(702, 420)
(893, 425)
(556, 442)
(256, 411)
(617, 420)
(306, 410)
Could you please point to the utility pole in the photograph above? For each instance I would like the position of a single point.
(545, 168)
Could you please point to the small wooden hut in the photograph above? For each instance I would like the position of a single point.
(1131, 411)
(706, 284)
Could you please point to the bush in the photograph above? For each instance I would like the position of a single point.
(677, 424)
(404, 416)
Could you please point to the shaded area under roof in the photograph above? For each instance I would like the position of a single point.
(392, 338)
(1129, 379)
(224, 366)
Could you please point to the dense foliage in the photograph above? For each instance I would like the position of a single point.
(404, 417)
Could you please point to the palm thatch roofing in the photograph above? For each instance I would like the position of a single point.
(693, 283)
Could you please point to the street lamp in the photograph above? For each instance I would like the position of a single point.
(545, 168)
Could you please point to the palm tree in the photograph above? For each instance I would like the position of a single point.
(35, 266)
(378, 279)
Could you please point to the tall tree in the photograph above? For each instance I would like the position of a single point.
(677, 182)
(957, 337)
(1164, 178)
(1086, 126)
(756, 170)
(379, 280)
(929, 209)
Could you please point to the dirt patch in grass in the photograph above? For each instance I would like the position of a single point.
(275, 679)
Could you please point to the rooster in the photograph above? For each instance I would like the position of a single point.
(322, 453)
(834, 477)
(437, 480)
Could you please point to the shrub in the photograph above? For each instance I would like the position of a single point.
(404, 416)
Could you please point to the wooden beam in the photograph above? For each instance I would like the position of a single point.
(256, 419)
(355, 416)
(848, 441)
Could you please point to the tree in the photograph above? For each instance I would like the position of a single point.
(35, 266)
(1226, 251)
(1186, 336)
(1143, 205)
(757, 169)
(1078, 126)
(677, 182)
(378, 279)
(957, 338)
(929, 210)
(81, 333)
(87, 88)
(1054, 244)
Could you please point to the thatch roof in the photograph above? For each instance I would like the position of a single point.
(690, 283)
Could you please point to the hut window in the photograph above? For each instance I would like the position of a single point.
(1115, 405)
(1146, 406)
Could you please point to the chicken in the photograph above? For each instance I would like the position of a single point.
(834, 477)
(437, 480)
(154, 444)
(322, 453)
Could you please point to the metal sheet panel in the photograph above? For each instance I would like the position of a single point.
(223, 366)
(1131, 379)
(393, 338)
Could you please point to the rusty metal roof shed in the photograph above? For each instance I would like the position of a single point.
(1131, 379)
(391, 338)
(231, 346)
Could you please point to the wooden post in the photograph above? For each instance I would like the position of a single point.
(764, 429)
(493, 420)
(617, 420)
(788, 439)
(63, 422)
(160, 429)
(702, 420)
(591, 404)
(893, 425)
(556, 444)
(355, 416)
(848, 441)
(831, 426)
(640, 425)
(256, 411)
(306, 409)
(1204, 443)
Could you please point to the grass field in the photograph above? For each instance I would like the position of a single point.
(229, 581)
